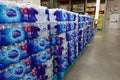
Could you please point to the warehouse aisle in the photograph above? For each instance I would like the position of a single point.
(100, 59)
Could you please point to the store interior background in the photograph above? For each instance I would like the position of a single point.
(106, 54)
(80, 6)
(83, 7)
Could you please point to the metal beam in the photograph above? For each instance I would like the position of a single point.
(51, 4)
(70, 4)
(85, 3)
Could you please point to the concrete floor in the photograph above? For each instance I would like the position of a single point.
(100, 59)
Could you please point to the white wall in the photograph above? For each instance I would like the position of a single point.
(111, 5)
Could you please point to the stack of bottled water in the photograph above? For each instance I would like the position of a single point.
(38, 43)
(85, 30)
(58, 23)
(25, 51)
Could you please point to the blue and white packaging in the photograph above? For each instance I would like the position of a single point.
(41, 72)
(57, 40)
(41, 57)
(65, 44)
(10, 13)
(32, 14)
(55, 77)
(35, 31)
(58, 15)
(52, 17)
(60, 39)
(49, 72)
(38, 45)
(76, 17)
(13, 35)
(28, 32)
(15, 72)
(24, 11)
(71, 51)
(53, 40)
(31, 32)
(65, 59)
(76, 33)
(9, 56)
(62, 62)
(58, 64)
(47, 36)
(44, 30)
(58, 28)
(55, 70)
(76, 40)
(1, 36)
(71, 26)
(58, 50)
(13, 55)
(76, 50)
(80, 46)
(49, 62)
(28, 64)
(71, 44)
(80, 18)
(24, 52)
(80, 25)
(80, 32)
(43, 14)
(61, 28)
(71, 58)
(71, 16)
(31, 76)
(84, 18)
(70, 35)
(43, 77)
